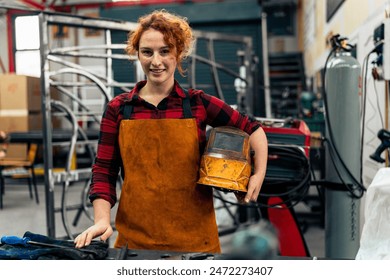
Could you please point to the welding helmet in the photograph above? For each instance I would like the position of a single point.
(225, 163)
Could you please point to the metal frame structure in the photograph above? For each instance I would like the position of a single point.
(58, 79)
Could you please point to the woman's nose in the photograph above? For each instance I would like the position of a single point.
(156, 59)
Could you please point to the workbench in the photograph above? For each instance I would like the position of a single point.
(58, 135)
(131, 254)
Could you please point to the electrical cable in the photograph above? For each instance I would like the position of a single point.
(319, 190)
(377, 50)
(378, 105)
(300, 189)
(306, 171)
(372, 120)
(363, 115)
(294, 194)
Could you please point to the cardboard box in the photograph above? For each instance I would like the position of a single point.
(20, 106)
(18, 92)
(19, 123)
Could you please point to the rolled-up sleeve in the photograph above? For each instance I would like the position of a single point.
(107, 163)
(220, 113)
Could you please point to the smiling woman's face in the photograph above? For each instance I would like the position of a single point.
(157, 59)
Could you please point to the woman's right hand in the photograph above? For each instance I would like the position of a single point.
(102, 226)
(102, 229)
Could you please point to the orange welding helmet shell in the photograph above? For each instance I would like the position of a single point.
(225, 163)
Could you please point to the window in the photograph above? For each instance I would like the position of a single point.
(27, 44)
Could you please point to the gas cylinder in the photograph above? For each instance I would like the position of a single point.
(342, 86)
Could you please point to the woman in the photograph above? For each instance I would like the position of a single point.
(155, 135)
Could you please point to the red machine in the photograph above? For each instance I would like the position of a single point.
(288, 149)
(287, 180)
(287, 132)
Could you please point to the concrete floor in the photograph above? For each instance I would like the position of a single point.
(21, 214)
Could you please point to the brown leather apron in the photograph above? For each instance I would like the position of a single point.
(161, 207)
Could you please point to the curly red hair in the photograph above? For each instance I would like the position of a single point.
(176, 30)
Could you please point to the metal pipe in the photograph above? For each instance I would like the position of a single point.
(46, 122)
(264, 39)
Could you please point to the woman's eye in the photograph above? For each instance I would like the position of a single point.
(146, 53)
(165, 51)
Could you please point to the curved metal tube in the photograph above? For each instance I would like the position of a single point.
(77, 66)
(86, 74)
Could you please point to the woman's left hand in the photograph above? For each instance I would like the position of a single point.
(254, 186)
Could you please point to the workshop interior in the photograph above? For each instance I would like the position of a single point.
(315, 74)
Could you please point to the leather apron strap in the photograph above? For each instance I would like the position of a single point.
(161, 207)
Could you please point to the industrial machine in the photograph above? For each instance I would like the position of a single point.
(287, 181)
(288, 156)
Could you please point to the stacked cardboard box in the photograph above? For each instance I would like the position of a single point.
(20, 108)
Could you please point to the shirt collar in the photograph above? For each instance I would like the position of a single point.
(178, 90)
(134, 93)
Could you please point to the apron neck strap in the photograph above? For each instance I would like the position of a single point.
(187, 106)
(128, 108)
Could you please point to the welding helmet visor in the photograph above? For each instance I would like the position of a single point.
(225, 164)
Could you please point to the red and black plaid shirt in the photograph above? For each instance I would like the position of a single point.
(206, 109)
